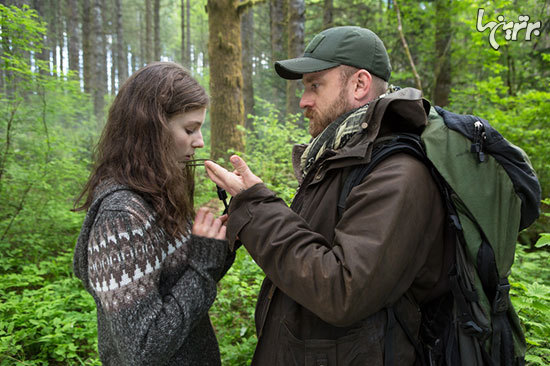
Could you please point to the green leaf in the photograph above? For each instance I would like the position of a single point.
(543, 241)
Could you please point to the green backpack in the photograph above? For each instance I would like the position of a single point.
(491, 192)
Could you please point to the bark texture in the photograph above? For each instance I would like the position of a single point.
(226, 80)
(73, 36)
(157, 45)
(148, 31)
(443, 35)
(121, 51)
(277, 11)
(296, 26)
(247, 41)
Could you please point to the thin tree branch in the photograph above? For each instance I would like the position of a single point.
(8, 140)
(245, 5)
(17, 210)
(406, 46)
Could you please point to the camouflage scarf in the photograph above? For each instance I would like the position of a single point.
(334, 137)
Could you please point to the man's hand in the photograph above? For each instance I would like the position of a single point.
(208, 226)
(234, 183)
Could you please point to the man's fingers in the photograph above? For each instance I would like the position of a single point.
(239, 164)
(213, 171)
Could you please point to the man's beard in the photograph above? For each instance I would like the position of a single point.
(318, 121)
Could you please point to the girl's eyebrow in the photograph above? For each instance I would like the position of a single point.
(193, 123)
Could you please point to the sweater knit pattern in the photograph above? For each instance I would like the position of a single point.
(152, 290)
(123, 259)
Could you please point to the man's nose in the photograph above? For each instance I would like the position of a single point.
(306, 101)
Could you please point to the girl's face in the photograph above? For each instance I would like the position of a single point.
(186, 131)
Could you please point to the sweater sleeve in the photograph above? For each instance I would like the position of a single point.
(147, 322)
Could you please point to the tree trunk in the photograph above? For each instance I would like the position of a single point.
(156, 14)
(106, 22)
(278, 31)
(443, 33)
(121, 51)
(44, 55)
(296, 23)
(148, 32)
(188, 35)
(183, 60)
(2, 70)
(52, 35)
(328, 10)
(73, 37)
(87, 54)
(247, 40)
(142, 59)
(226, 80)
(60, 38)
(98, 74)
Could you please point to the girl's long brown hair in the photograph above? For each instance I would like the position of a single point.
(136, 147)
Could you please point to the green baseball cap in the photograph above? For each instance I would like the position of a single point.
(349, 45)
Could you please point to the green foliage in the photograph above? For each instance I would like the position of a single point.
(269, 149)
(531, 299)
(233, 311)
(47, 316)
(46, 134)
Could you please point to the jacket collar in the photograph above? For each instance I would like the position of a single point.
(401, 111)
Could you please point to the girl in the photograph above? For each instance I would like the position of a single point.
(151, 273)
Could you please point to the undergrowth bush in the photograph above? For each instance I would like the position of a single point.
(46, 316)
(530, 281)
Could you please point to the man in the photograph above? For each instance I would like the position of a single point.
(336, 280)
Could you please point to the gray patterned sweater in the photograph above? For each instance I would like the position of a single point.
(152, 291)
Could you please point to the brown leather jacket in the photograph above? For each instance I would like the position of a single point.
(329, 278)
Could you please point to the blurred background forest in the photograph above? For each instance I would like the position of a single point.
(62, 61)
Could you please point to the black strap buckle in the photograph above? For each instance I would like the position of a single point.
(502, 295)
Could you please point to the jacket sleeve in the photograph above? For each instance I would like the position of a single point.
(126, 255)
(376, 253)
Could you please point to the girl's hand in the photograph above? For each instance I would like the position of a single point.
(208, 226)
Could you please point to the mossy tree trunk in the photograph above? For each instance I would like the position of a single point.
(247, 41)
(277, 15)
(226, 79)
(296, 25)
(148, 31)
(443, 37)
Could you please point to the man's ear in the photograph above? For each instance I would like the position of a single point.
(363, 83)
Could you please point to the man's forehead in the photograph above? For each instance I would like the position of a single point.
(309, 77)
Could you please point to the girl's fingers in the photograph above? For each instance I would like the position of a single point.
(221, 233)
(214, 227)
(201, 214)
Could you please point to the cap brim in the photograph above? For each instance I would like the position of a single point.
(296, 67)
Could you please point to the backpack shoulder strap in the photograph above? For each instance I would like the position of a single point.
(402, 143)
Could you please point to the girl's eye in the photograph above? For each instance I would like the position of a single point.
(189, 132)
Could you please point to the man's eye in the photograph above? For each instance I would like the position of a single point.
(189, 132)
(314, 86)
